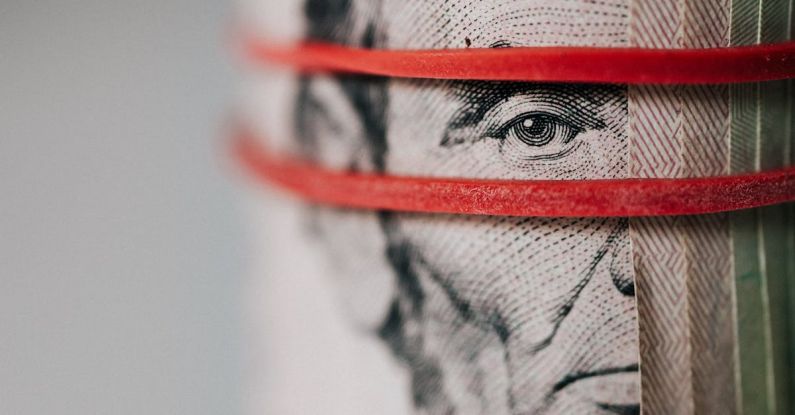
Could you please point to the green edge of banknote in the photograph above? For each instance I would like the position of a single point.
(762, 239)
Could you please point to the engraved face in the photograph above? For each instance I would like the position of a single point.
(543, 306)
(491, 315)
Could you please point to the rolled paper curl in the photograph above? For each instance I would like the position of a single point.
(552, 198)
(540, 64)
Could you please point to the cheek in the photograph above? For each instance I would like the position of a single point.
(507, 263)
(602, 155)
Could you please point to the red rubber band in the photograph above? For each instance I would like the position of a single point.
(557, 198)
(542, 64)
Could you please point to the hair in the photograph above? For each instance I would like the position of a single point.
(332, 21)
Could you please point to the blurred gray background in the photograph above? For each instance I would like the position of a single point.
(120, 237)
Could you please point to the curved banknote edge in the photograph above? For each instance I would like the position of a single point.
(683, 263)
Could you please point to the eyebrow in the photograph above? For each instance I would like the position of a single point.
(479, 97)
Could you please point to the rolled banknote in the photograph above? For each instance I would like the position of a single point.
(393, 312)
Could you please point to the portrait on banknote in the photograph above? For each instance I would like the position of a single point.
(488, 315)
(397, 311)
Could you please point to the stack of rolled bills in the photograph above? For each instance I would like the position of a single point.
(383, 312)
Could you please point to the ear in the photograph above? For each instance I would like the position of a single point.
(621, 267)
(340, 123)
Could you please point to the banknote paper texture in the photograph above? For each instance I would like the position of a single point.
(458, 314)
(686, 327)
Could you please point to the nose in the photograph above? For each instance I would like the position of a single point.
(621, 268)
